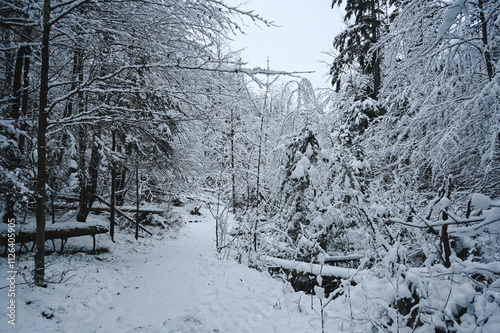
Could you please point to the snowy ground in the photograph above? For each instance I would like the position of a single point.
(157, 285)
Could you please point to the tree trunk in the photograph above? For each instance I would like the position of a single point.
(25, 95)
(375, 57)
(484, 28)
(26, 81)
(52, 199)
(82, 173)
(445, 239)
(120, 186)
(137, 200)
(120, 182)
(259, 161)
(9, 61)
(446, 246)
(89, 189)
(39, 273)
(95, 160)
(17, 86)
(113, 191)
(233, 170)
(77, 77)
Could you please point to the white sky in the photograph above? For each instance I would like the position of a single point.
(306, 30)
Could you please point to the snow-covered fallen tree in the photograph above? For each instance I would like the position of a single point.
(62, 231)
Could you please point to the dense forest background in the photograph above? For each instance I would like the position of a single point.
(399, 161)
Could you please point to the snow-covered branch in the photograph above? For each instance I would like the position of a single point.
(71, 5)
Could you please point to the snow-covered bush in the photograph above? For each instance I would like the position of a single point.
(454, 292)
(396, 298)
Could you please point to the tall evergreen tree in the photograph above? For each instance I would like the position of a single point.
(355, 45)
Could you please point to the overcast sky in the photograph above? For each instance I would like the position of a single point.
(306, 30)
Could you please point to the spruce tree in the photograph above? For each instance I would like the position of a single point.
(356, 44)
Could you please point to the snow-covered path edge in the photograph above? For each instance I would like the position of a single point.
(172, 285)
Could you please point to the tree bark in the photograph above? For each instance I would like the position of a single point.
(233, 170)
(375, 56)
(137, 200)
(18, 83)
(113, 191)
(77, 77)
(83, 209)
(120, 182)
(259, 161)
(88, 190)
(446, 245)
(55, 232)
(25, 95)
(82, 173)
(484, 28)
(26, 81)
(95, 160)
(8, 64)
(39, 273)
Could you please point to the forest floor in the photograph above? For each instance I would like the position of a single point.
(157, 284)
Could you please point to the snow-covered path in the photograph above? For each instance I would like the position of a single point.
(182, 287)
(175, 285)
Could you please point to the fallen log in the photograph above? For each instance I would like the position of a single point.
(306, 282)
(129, 209)
(316, 269)
(123, 214)
(61, 231)
(303, 276)
(350, 257)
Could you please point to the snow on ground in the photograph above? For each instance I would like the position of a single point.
(156, 284)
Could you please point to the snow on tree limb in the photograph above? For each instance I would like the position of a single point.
(72, 5)
(252, 73)
(450, 15)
